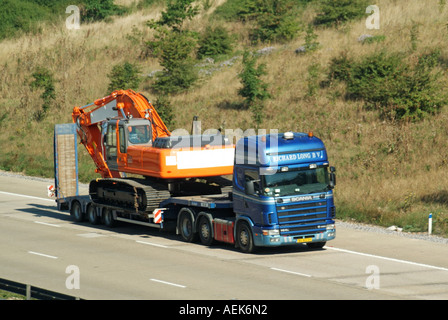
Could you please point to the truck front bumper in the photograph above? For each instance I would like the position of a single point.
(267, 238)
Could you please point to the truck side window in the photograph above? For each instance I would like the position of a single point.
(112, 141)
(253, 177)
(122, 140)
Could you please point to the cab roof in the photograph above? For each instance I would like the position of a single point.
(287, 148)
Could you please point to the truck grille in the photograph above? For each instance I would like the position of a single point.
(299, 219)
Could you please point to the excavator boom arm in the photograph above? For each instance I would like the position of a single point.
(119, 104)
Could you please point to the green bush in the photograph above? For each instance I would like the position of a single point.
(43, 79)
(311, 43)
(246, 10)
(20, 16)
(97, 10)
(254, 90)
(176, 13)
(273, 20)
(340, 68)
(176, 52)
(17, 16)
(175, 47)
(274, 26)
(165, 110)
(313, 78)
(215, 42)
(336, 12)
(233, 10)
(389, 82)
(276, 20)
(124, 76)
(374, 39)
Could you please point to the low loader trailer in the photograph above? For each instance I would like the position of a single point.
(280, 192)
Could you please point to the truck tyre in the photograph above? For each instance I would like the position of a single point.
(186, 225)
(76, 212)
(92, 216)
(244, 237)
(108, 218)
(205, 231)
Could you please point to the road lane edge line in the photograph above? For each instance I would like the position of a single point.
(47, 224)
(151, 244)
(168, 283)
(292, 272)
(25, 196)
(42, 255)
(388, 259)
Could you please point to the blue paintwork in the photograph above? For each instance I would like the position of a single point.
(308, 215)
(292, 218)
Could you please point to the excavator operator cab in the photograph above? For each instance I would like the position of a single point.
(139, 134)
(122, 133)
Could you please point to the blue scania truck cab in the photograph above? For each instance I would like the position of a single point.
(283, 191)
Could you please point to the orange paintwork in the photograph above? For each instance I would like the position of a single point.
(149, 161)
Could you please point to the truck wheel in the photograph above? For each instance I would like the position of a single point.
(108, 218)
(186, 225)
(76, 212)
(205, 231)
(244, 237)
(92, 216)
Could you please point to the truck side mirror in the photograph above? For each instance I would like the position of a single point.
(332, 177)
(250, 188)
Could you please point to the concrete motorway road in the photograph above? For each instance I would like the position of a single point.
(38, 244)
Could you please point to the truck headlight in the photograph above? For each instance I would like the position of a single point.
(330, 226)
(272, 232)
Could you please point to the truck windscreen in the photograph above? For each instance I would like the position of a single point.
(296, 182)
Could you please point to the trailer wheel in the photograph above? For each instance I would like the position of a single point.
(244, 237)
(76, 212)
(186, 225)
(205, 231)
(108, 218)
(92, 216)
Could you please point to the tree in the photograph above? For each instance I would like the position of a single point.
(175, 14)
(174, 47)
(176, 58)
(254, 90)
(43, 79)
(214, 42)
(165, 110)
(124, 76)
(338, 12)
(276, 20)
(97, 10)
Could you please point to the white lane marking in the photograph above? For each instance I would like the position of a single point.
(388, 259)
(25, 196)
(90, 235)
(168, 283)
(47, 224)
(42, 255)
(151, 244)
(292, 272)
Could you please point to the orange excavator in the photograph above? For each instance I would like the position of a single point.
(124, 134)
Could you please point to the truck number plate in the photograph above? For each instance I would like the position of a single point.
(304, 240)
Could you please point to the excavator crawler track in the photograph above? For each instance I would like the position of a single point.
(140, 195)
